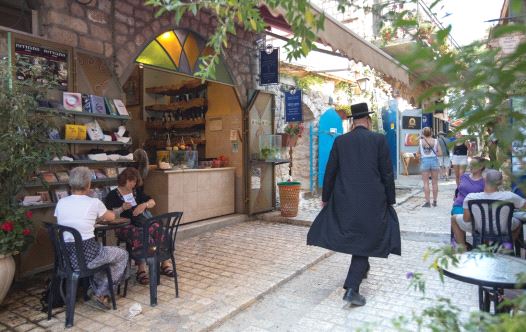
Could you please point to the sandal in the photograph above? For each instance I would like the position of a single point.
(142, 278)
(100, 302)
(167, 270)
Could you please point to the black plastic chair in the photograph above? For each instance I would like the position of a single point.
(489, 219)
(487, 227)
(158, 244)
(63, 269)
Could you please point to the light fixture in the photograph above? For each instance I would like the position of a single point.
(363, 83)
(292, 90)
(269, 49)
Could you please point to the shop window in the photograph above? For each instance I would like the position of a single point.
(179, 50)
(16, 15)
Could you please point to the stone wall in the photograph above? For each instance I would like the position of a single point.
(120, 29)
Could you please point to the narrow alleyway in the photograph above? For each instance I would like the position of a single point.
(260, 276)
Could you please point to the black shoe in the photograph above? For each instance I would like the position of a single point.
(354, 298)
(434, 203)
(427, 204)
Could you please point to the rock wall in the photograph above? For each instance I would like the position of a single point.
(119, 30)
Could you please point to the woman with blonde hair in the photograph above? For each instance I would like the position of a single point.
(429, 150)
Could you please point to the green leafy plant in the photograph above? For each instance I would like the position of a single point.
(294, 129)
(24, 148)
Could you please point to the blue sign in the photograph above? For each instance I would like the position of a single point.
(269, 67)
(427, 120)
(293, 107)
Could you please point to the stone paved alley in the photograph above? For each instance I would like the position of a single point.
(260, 276)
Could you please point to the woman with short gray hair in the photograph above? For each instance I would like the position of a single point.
(81, 212)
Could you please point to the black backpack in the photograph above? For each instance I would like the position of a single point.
(58, 295)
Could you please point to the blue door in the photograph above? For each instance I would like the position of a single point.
(390, 128)
(330, 127)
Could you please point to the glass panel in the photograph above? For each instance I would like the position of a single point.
(222, 74)
(181, 35)
(183, 65)
(191, 49)
(155, 55)
(171, 44)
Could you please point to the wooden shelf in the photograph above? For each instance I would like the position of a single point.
(89, 162)
(177, 89)
(57, 184)
(177, 124)
(178, 106)
(71, 141)
(85, 114)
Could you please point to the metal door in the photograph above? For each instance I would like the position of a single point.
(260, 174)
(330, 127)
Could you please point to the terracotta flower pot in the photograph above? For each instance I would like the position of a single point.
(7, 272)
(289, 141)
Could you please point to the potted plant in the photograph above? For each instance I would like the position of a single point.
(293, 131)
(24, 148)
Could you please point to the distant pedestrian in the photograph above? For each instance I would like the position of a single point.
(429, 150)
(444, 160)
(358, 191)
(460, 156)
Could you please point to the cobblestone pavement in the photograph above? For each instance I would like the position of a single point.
(313, 300)
(220, 273)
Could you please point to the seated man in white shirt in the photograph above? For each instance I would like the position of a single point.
(493, 179)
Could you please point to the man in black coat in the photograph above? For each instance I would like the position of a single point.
(358, 191)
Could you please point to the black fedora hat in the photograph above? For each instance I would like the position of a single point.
(359, 110)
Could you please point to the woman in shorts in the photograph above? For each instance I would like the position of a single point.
(460, 157)
(429, 150)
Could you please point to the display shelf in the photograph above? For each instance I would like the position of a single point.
(177, 124)
(178, 106)
(57, 184)
(70, 141)
(89, 162)
(85, 114)
(179, 89)
(161, 144)
(275, 162)
(39, 206)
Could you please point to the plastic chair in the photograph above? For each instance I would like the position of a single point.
(63, 269)
(158, 244)
(491, 221)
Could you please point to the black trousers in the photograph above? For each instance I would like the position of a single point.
(357, 270)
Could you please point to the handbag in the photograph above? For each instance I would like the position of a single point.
(141, 218)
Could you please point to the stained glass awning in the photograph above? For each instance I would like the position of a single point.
(179, 50)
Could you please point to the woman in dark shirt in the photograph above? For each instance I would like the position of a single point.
(128, 200)
(460, 157)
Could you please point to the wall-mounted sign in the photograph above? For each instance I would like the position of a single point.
(411, 122)
(269, 67)
(43, 65)
(427, 120)
(293, 107)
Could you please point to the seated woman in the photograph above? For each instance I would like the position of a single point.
(128, 200)
(469, 183)
(80, 211)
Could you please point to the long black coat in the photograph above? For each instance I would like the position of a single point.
(359, 189)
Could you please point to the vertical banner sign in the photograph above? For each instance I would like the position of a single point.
(269, 67)
(293, 107)
(42, 65)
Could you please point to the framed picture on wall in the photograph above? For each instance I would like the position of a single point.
(133, 88)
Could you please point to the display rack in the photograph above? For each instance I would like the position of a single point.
(83, 114)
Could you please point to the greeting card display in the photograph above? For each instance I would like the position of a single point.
(97, 104)
(94, 131)
(121, 109)
(72, 101)
(110, 106)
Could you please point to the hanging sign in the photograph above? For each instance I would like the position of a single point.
(411, 122)
(41, 64)
(293, 106)
(427, 120)
(269, 67)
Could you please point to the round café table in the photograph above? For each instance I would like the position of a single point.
(102, 228)
(489, 273)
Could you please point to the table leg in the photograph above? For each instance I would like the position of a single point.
(481, 299)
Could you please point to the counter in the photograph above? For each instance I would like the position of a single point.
(199, 193)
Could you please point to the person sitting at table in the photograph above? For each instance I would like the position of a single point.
(493, 179)
(128, 200)
(469, 183)
(81, 212)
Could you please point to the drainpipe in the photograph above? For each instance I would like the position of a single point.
(311, 169)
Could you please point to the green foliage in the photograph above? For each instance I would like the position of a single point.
(24, 147)
(308, 81)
